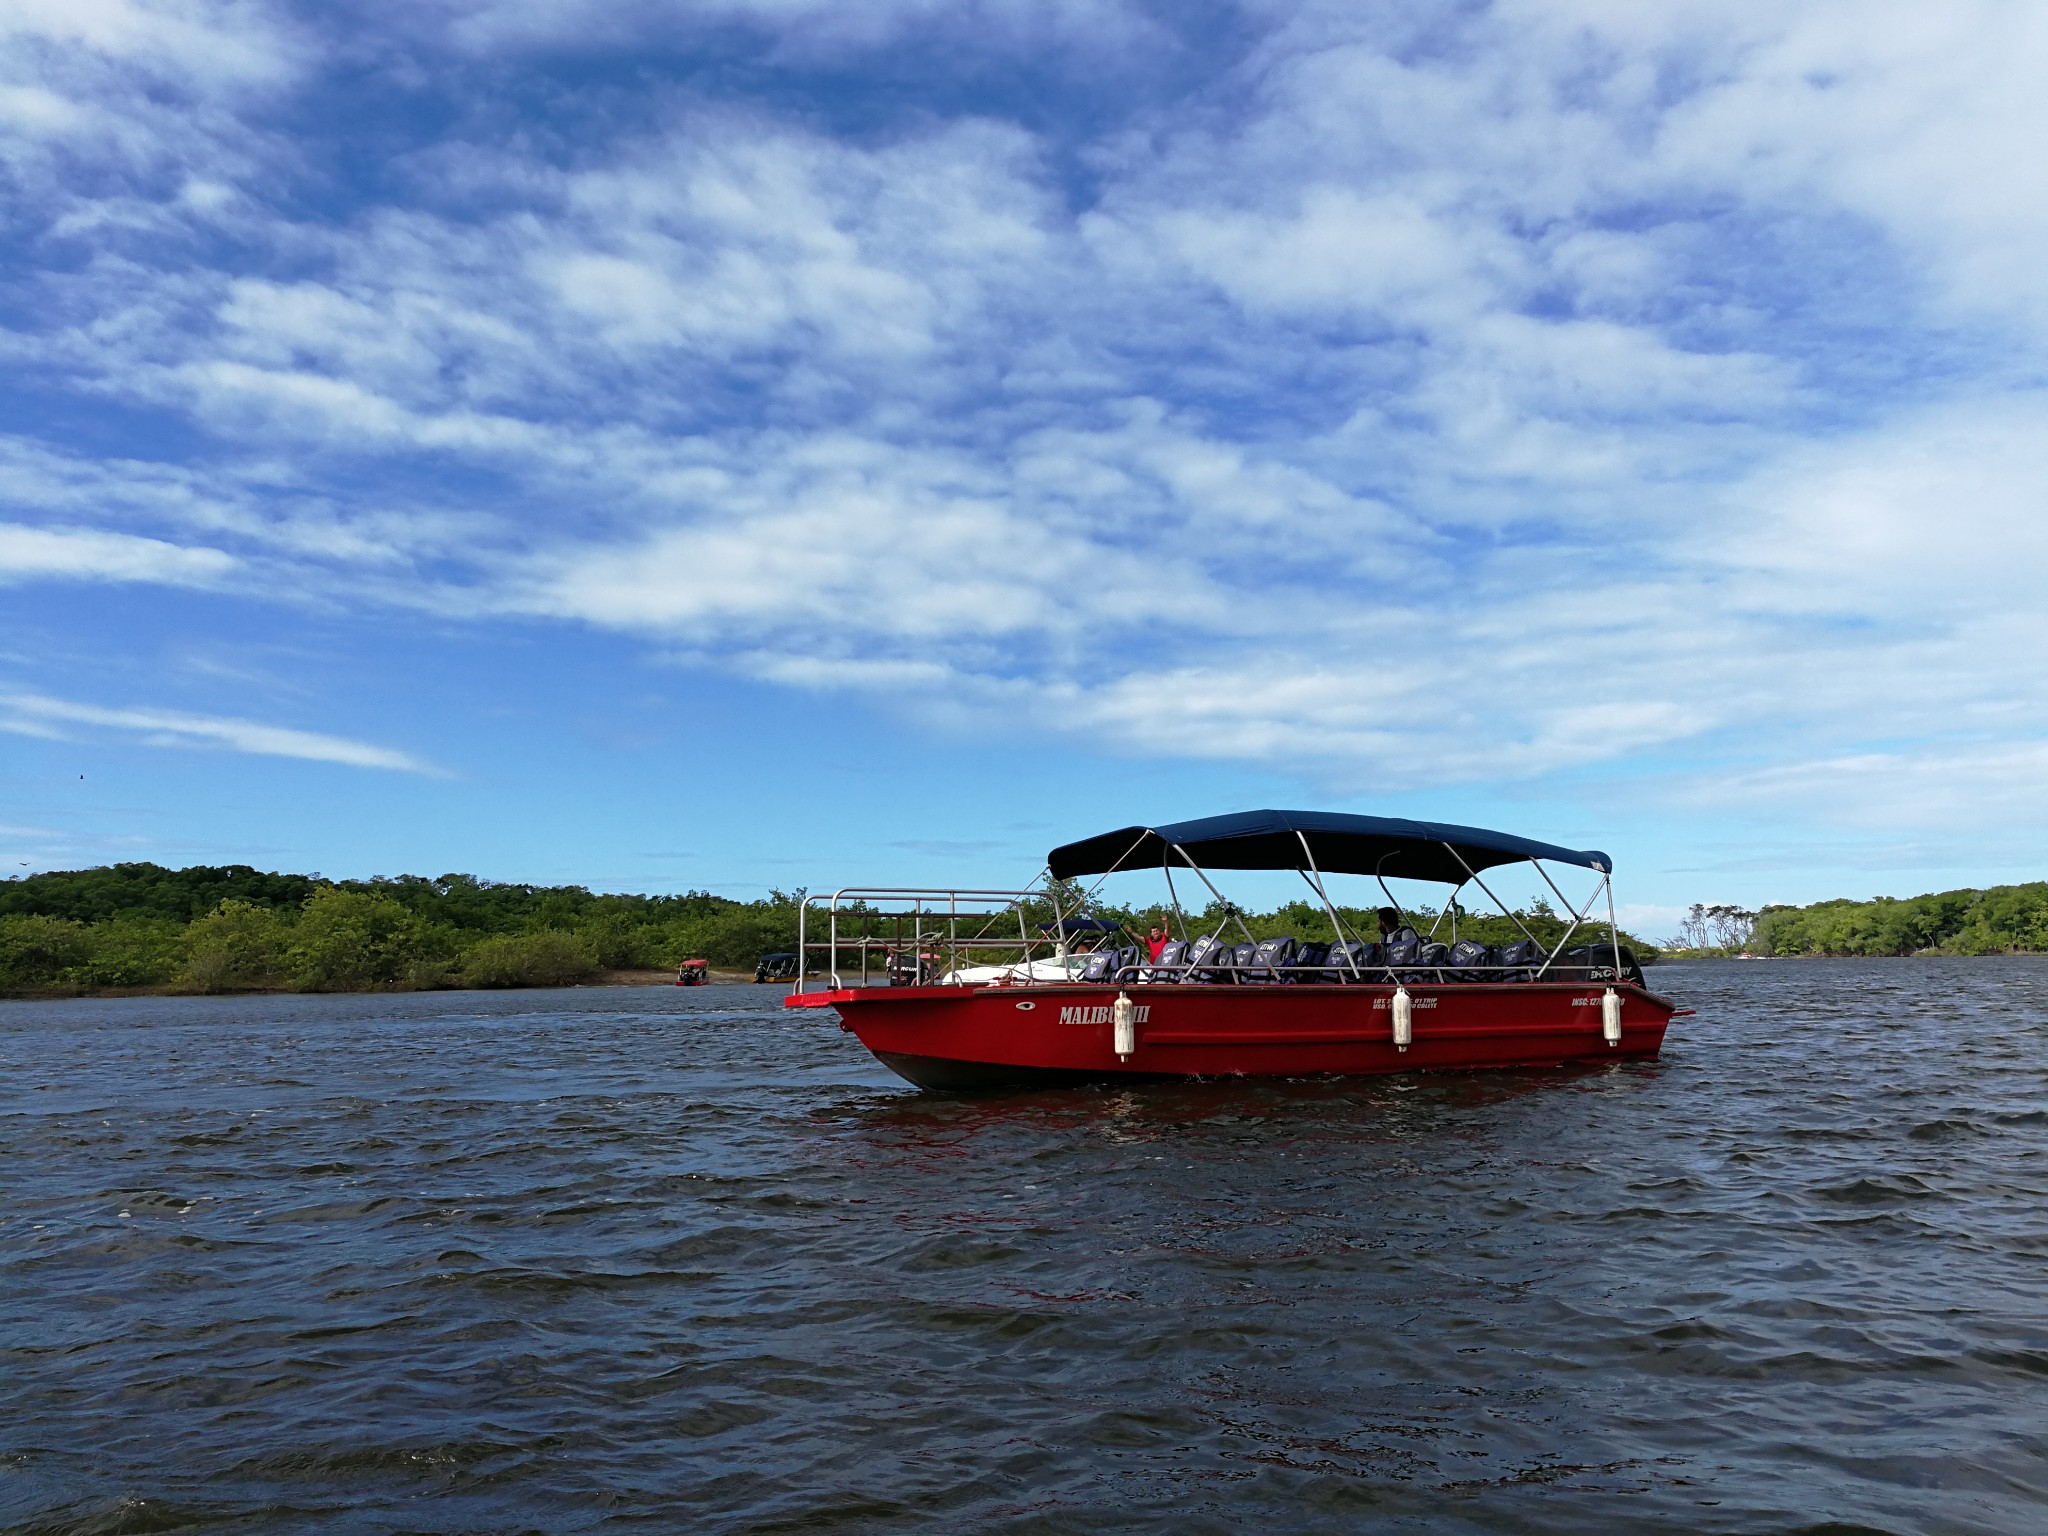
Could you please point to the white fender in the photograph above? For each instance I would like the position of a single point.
(1610, 1017)
(1125, 1017)
(1404, 1019)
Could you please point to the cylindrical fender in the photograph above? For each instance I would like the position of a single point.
(1125, 1016)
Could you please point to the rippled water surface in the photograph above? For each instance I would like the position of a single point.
(671, 1260)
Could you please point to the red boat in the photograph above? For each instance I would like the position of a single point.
(1091, 1009)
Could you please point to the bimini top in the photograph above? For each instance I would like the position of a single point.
(1339, 844)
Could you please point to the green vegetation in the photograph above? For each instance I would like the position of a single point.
(549, 959)
(141, 926)
(2005, 919)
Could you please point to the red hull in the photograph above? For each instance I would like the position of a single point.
(968, 1037)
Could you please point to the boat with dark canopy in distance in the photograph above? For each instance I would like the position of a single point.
(986, 988)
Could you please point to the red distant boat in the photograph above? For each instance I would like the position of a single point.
(1068, 1003)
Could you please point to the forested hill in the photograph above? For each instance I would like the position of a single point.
(2001, 920)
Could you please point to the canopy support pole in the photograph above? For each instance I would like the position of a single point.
(1613, 930)
(1385, 892)
(1450, 908)
(1578, 917)
(1316, 885)
(1504, 912)
(1119, 864)
(1229, 906)
(1173, 896)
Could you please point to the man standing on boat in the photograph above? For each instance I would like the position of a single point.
(1157, 940)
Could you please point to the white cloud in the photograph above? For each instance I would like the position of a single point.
(804, 28)
(28, 554)
(30, 714)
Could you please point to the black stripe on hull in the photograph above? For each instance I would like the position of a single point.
(975, 1076)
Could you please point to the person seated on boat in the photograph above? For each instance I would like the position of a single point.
(1399, 943)
(1393, 930)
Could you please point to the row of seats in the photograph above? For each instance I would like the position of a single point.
(1403, 956)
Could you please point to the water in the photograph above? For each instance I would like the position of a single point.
(673, 1260)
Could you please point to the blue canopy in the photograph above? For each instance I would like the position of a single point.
(1339, 844)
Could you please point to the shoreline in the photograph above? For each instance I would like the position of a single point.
(626, 978)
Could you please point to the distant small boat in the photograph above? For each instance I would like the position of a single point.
(779, 966)
(693, 973)
(1208, 1007)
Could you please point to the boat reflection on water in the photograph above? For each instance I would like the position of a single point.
(994, 1000)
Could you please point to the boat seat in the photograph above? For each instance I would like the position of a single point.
(1354, 960)
(1517, 961)
(1435, 956)
(1227, 964)
(1467, 954)
(1308, 962)
(1203, 953)
(1171, 964)
(1271, 959)
(1101, 966)
(1402, 947)
(1401, 954)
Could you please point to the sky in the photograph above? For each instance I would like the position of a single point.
(775, 443)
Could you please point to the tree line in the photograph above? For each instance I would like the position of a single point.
(235, 928)
(2003, 919)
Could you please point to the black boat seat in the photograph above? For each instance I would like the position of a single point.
(1471, 961)
(1270, 959)
(1171, 964)
(1205, 953)
(1309, 959)
(1518, 961)
(1354, 960)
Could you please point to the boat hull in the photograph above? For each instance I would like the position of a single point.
(968, 1038)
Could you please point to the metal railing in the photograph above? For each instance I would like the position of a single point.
(941, 923)
(935, 942)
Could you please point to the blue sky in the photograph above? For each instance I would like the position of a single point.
(774, 442)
